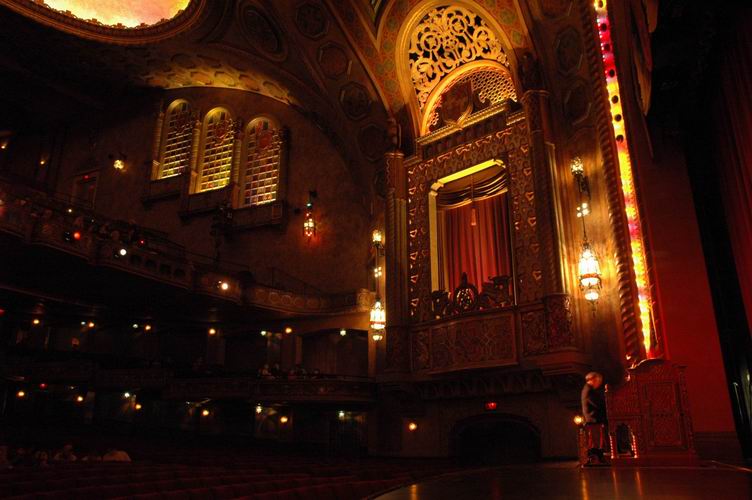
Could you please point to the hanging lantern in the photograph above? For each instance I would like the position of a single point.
(589, 273)
(378, 316)
(309, 224)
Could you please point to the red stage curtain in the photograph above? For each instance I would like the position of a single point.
(733, 123)
(481, 251)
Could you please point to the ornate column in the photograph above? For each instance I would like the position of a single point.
(236, 174)
(397, 317)
(157, 144)
(557, 304)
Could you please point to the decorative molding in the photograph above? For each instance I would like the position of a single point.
(446, 38)
(140, 35)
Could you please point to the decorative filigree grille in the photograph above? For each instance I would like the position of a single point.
(178, 137)
(219, 138)
(491, 86)
(445, 39)
(262, 163)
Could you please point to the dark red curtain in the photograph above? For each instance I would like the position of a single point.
(481, 251)
(733, 123)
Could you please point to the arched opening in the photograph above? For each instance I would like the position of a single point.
(495, 439)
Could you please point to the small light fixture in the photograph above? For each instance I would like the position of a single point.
(578, 420)
(288, 329)
(212, 331)
(126, 395)
(577, 168)
(412, 427)
(36, 322)
(123, 252)
(309, 223)
(378, 315)
(583, 209)
(83, 323)
(147, 327)
(76, 235)
(223, 285)
(377, 272)
(263, 333)
(283, 419)
(4, 141)
(91, 324)
(589, 273)
(491, 405)
(43, 161)
(377, 337)
(79, 399)
(138, 406)
(70, 210)
(118, 165)
(43, 386)
(377, 238)
(205, 413)
(341, 415)
(134, 326)
(342, 332)
(21, 394)
(259, 409)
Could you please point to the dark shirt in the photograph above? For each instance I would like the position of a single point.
(593, 405)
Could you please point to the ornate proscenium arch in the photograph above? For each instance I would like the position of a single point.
(438, 39)
(117, 34)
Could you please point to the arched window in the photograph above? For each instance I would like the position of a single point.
(218, 138)
(177, 138)
(262, 162)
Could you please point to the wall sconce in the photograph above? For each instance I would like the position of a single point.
(377, 337)
(309, 223)
(118, 161)
(378, 315)
(589, 273)
(578, 171)
(377, 272)
(377, 237)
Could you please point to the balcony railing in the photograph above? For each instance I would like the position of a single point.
(40, 219)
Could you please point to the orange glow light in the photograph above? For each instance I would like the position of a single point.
(412, 426)
(639, 261)
(114, 12)
(20, 394)
(205, 413)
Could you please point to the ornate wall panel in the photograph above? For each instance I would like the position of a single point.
(477, 341)
(512, 146)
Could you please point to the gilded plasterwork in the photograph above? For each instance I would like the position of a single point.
(445, 39)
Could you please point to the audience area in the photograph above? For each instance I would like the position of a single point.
(190, 472)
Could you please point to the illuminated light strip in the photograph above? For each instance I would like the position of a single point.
(625, 172)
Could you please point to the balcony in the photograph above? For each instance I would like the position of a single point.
(39, 220)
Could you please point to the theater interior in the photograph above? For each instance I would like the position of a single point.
(342, 249)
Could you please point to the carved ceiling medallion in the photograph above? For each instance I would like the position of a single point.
(445, 39)
(311, 20)
(261, 32)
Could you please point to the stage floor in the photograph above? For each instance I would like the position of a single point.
(568, 481)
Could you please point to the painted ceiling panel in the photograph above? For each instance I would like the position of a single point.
(118, 13)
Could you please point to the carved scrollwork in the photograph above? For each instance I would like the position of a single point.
(466, 298)
(447, 38)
